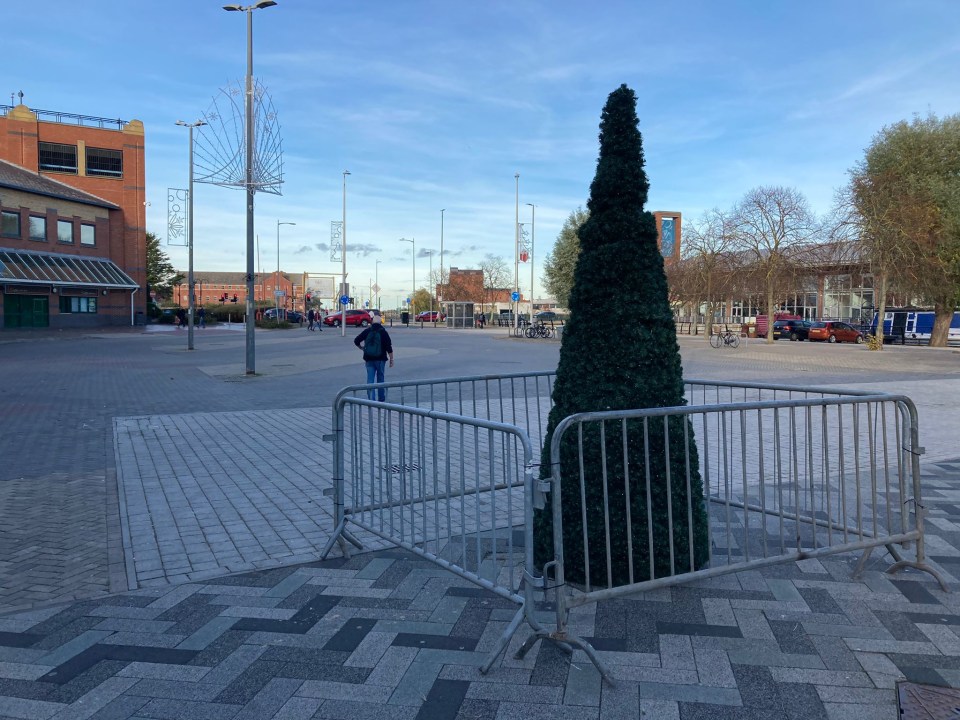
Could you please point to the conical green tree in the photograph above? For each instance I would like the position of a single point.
(620, 352)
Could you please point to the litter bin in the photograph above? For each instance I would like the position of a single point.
(751, 331)
(405, 318)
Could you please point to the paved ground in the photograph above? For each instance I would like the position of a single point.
(384, 634)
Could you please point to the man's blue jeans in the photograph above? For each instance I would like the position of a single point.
(375, 374)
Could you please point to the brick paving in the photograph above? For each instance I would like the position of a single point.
(384, 634)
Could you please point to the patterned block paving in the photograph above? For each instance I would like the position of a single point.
(789, 641)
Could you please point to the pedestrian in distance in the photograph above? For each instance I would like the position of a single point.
(181, 317)
(310, 318)
(202, 316)
(377, 350)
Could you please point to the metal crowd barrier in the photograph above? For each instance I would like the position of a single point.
(446, 468)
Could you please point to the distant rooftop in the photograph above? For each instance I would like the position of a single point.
(70, 118)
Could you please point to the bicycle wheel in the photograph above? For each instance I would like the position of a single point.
(531, 333)
(716, 340)
(548, 332)
(734, 341)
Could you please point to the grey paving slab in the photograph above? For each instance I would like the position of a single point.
(200, 494)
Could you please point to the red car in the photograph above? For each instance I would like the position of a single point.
(832, 331)
(431, 316)
(354, 317)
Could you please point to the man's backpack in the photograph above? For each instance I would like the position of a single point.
(373, 345)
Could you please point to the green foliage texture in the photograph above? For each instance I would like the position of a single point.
(620, 352)
(560, 264)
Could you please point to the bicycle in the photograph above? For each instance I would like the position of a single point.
(539, 329)
(725, 337)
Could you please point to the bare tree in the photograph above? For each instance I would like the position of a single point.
(708, 243)
(496, 275)
(770, 225)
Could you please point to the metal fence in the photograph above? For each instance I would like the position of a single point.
(744, 476)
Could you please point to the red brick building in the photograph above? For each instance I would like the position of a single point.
(213, 285)
(72, 219)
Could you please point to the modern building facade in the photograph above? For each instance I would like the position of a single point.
(72, 220)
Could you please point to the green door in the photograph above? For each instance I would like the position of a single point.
(22, 311)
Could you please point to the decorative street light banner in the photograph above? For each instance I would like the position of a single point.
(177, 200)
(220, 158)
(524, 244)
(336, 240)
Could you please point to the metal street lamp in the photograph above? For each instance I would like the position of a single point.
(248, 181)
(440, 293)
(414, 255)
(343, 258)
(276, 287)
(533, 240)
(190, 300)
(516, 253)
(430, 280)
(376, 280)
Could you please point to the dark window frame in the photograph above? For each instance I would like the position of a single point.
(72, 239)
(106, 162)
(84, 305)
(6, 215)
(30, 235)
(55, 157)
(93, 229)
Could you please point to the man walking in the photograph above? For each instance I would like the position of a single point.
(377, 349)
(310, 318)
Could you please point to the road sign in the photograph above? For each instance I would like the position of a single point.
(344, 299)
(515, 296)
(366, 303)
(375, 288)
(279, 293)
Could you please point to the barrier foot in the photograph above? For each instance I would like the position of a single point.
(503, 642)
(901, 564)
(567, 643)
(337, 537)
(858, 570)
(353, 541)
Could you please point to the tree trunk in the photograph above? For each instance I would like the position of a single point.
(941, 324)
(709, 318)
(771, 315)
(882, 305)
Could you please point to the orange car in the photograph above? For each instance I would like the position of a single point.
(832, 331)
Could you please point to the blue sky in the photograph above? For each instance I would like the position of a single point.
(436, 105)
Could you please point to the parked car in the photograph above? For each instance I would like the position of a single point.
(354, 317)
(291, 316)
(431, 316)
(793, 329)
(546, 316)
(834, 332)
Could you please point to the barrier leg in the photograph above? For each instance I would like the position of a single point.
(504, 641)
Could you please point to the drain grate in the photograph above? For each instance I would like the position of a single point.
(927, 702)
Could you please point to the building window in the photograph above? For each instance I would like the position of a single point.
(88, 235)
(104, 163)
(38, 228)
(65, 231)
(55, 157)
(78, 304)
(10, 224)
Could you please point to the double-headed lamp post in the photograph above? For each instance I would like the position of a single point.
(533, 242)
(248, 179)
(276, 287)
(190, 300)
(414, 255)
